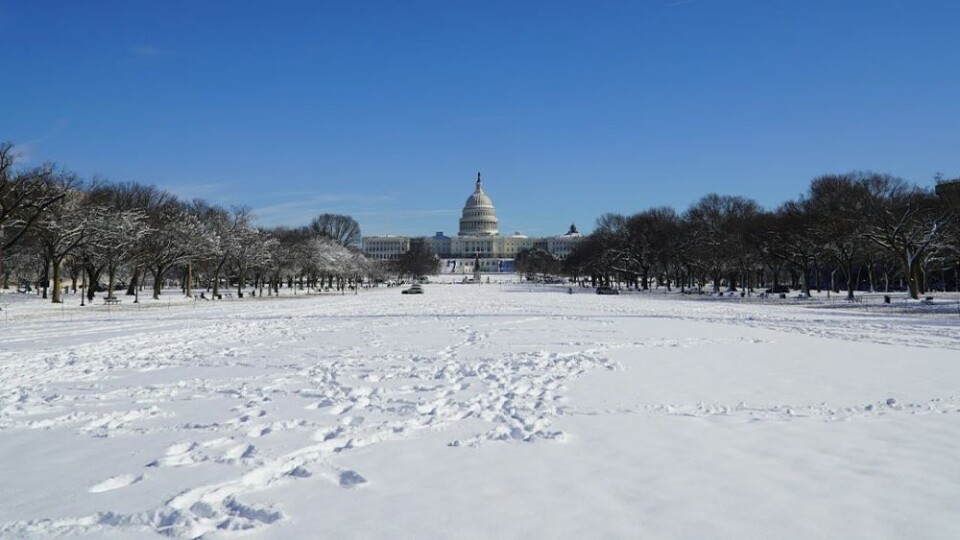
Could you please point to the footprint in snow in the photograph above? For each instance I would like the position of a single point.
(350, 479)
(242, 451)
(116, 482)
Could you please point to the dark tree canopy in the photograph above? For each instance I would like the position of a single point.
(343, 230)
(418, 261)
(537, 261)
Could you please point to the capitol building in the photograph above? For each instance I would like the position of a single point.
(478, 240)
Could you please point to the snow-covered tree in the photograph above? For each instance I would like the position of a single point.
(25, 195)
(287, 254)
(175, 236)
(251, 249)
(114, 238)
(226, 230)
(61, 229)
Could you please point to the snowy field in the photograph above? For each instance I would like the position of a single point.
(491, 411)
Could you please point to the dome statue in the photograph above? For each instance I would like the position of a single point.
(479, 216)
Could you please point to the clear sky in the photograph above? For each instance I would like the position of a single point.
(387, 110)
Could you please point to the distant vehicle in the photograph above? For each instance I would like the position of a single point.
(414, 289)
(102, 287)
(607, 290)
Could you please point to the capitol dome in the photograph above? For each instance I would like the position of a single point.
(479, 216)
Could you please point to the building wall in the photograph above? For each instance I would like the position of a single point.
(561, 246)
(385, 247)
(490, 248)
(439, 244)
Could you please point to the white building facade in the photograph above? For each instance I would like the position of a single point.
(478, 240)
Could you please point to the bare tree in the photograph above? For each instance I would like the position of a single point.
(252, 249)
(343, 230)
(664, 242)
(287, 254)
(135, 197)
(227, 230)
(906, 221)
(722, 224)
(61, 229)
(837, 204)
(114, 238)
(24, 196)
(175, 236)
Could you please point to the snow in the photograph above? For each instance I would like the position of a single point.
(479, 411)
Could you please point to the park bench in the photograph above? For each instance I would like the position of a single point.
(927, 300)
(111, 301)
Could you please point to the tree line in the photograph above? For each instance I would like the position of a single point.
(855, 231)
(56, 227)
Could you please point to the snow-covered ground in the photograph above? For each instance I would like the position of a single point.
(490, 411)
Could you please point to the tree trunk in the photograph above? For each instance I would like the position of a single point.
(56, 282)
(216, 282)
(91, 279)
(189, 280)
(850, 280)
(111, 279)
(45, 278)
(912, 269)
(134, 281)
(157, 282)
(732, 280)
(922, 277)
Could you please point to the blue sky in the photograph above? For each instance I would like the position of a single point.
(386, 110)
